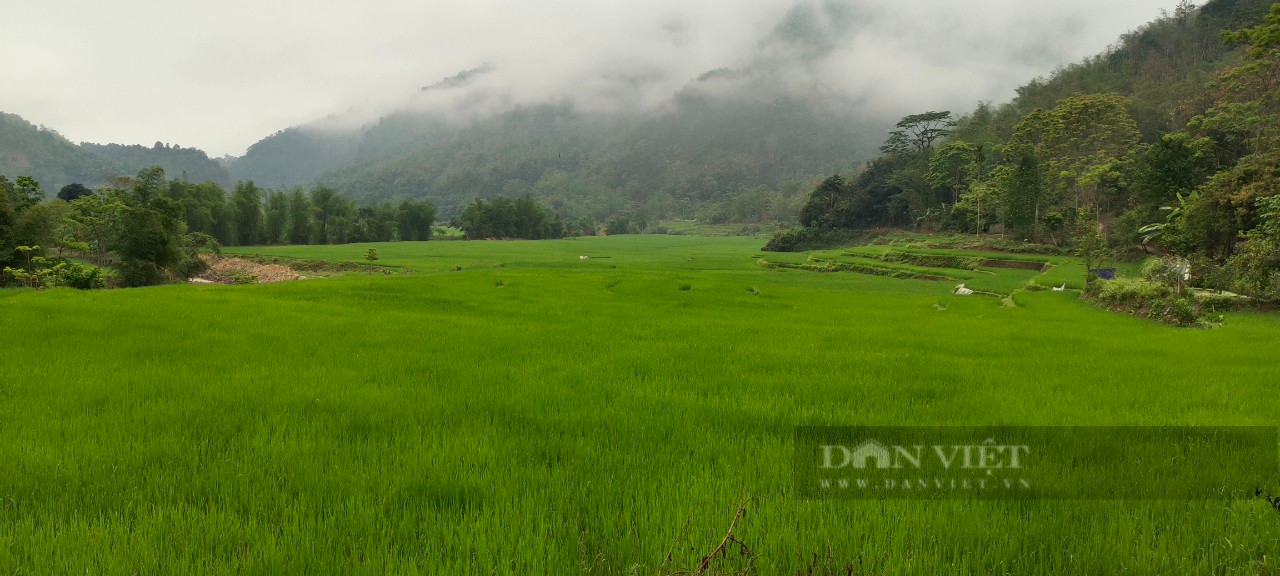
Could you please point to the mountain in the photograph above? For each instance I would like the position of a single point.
(1158, 67)
(765, 128)
(694, 153)
(191, 164)
(54, 161)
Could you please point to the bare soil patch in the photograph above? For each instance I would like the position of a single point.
(231, 270)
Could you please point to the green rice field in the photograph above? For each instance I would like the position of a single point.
(510, 408)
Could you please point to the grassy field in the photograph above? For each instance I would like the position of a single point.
(508, 408)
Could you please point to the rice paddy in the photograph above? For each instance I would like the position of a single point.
(511, 408)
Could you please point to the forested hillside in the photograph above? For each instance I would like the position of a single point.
(739, 161)
(740, 143)
(700, 156)
(54, 161)
(29, 150)
(191, 164)
(1168, 139)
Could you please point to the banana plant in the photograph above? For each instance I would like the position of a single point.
(1172, 214)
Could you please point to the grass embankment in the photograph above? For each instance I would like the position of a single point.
(986, 271)
(509, 408)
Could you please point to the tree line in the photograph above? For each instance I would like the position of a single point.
(150, 227)
(522, 217)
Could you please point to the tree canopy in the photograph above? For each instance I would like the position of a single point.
(1172, 138)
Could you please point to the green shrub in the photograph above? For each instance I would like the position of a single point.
(801, 239)
(1131, 290)
(1146, 299)
(134, 273)
(197, 241)
(1181, 311)
(193, 267)
(81, 277)
(1255, 270)
(1208, 273)
(1170, 271)
(1126, 228)
(1209, 302)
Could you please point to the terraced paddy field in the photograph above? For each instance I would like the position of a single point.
(511, 408)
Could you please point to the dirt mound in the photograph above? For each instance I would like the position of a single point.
(229, 270)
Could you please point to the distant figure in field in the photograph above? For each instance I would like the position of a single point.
(962, 291)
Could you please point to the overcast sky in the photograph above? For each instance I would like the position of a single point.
(222, 75)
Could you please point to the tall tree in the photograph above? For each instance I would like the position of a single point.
(1175, 164)
(1022, 190)
(300, 217)
(375, 223)
(277, 218)
(983, 201)
(99, 220)
(73, 191)
(205, 209)
(920, 131)
(507, 218)
(415, 219)
(1081, 143)
(38, 224)
(953, 168)
(823, 201)
(1089, 241)
(149, 185)
(247, 202)
(24, 192)
(333, 216)
(7, 245)
(150, 243)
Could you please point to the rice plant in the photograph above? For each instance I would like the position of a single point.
(589, 417)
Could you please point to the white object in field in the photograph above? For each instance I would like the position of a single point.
(1061, 288)
(962, 291)
(584, 257)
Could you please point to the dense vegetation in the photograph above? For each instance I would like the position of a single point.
(189, 164)
(1168, 140)
(716, 160)
(45, 155)
(150, 228)
(523, 217)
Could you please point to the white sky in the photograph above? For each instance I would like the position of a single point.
(220, 75)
